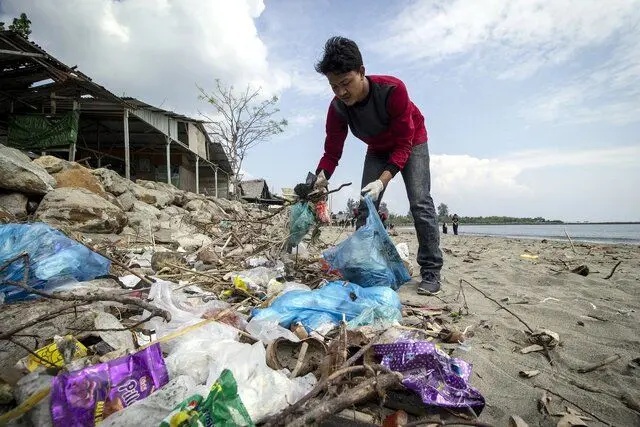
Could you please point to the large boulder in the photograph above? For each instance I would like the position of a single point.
(79, 177)
(152, 197)
(14, 204)
(52, 164)
(18, 173)
(126, 201)
(112, 182)
(81, 210)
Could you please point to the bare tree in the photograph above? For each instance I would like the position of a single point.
(242, 122)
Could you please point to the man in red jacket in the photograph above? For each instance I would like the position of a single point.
(379, 112)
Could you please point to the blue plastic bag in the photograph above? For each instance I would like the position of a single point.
(323, 308)
(369, 257)
(301, 221)
(54, 259)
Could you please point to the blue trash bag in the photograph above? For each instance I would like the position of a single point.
(322, 309)
(54, 259)
(369, 257)
(302, 218)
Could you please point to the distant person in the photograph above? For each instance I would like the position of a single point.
(378, 110)
(444, 228)
(455, 219)
(356, 212)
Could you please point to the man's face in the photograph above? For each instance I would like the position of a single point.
(349, 87)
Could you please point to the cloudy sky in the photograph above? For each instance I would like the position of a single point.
(532, 106)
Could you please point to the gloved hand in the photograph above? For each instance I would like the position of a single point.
(373, 189)
(321, 183)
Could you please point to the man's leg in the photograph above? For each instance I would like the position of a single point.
(373, 168)
(417, 180)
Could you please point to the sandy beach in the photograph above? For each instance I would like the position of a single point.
(595, 318)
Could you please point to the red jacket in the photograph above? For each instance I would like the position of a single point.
(386, 120)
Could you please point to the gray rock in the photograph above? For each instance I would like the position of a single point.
(112, 182)
(196, 205)
(146, 209)
(18, 173)
(152, 197)
(142, 222)
(193, 242)
(127, 201)
(159, 260)
(163, 235)
(52, 164)
(174, 211)
(14, 204)
(81, 210)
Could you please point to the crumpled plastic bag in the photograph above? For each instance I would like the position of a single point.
(268, 331)
(183, 314)
(368, 257)
(263, 391)
(322, 309)
(300, 222)
(437, 378)
(255, 280)
(54, 259)
(378, 318)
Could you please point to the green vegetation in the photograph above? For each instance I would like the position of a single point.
(20, 25)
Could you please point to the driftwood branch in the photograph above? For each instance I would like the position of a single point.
(600, 364)
(362, 392)
(500, 305)
(613, 270)
(570, 241)
(576, 405)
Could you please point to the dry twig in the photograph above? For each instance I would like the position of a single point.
(613, 270)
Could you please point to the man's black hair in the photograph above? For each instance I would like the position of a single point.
(340, 56)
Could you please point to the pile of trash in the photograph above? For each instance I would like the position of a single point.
(174, 309)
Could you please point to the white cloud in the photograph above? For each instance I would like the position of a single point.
(519, 184)
(156, 50)
(513, 37)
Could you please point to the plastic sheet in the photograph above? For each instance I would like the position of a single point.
(268, 331)
(263, 391)
(437, 378)
(368, 257)
(85, 397)
(322, 309)
(301, 221)
(379, 318)
(54, 259)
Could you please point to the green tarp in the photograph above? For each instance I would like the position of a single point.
(36, 132)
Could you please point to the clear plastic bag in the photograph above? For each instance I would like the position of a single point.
(268, 331)
(54, 259)
(368, 257)
(300, 222)
(324, 308)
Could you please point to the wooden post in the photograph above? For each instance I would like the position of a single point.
(197, 174)
(72, 147)
(98, 143)
(127, 159)
(168, 160)
(216, 180)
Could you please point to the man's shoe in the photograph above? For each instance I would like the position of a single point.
(430, 284)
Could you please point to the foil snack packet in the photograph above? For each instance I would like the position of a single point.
(86, 397)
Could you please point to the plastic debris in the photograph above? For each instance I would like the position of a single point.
(222, 407)
(54, 259)
(255, 280)
(52, 355)
(301, 220)
(268, 331)
(378, 318)
(276, 287)
(87, 396)
(437, 378)
(322, 309)
(322, 212)
(368, 257)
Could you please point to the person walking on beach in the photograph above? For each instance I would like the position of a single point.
(444, 228)
(455, 219)
(379, 112)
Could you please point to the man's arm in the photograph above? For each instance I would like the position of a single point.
(336, 128)
(402, 129)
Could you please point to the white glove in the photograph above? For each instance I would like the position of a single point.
(373, 189)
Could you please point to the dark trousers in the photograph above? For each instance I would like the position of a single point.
(417, 181)
(455, 229)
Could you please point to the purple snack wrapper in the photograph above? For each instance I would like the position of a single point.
(85, 397)
(439, 379)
